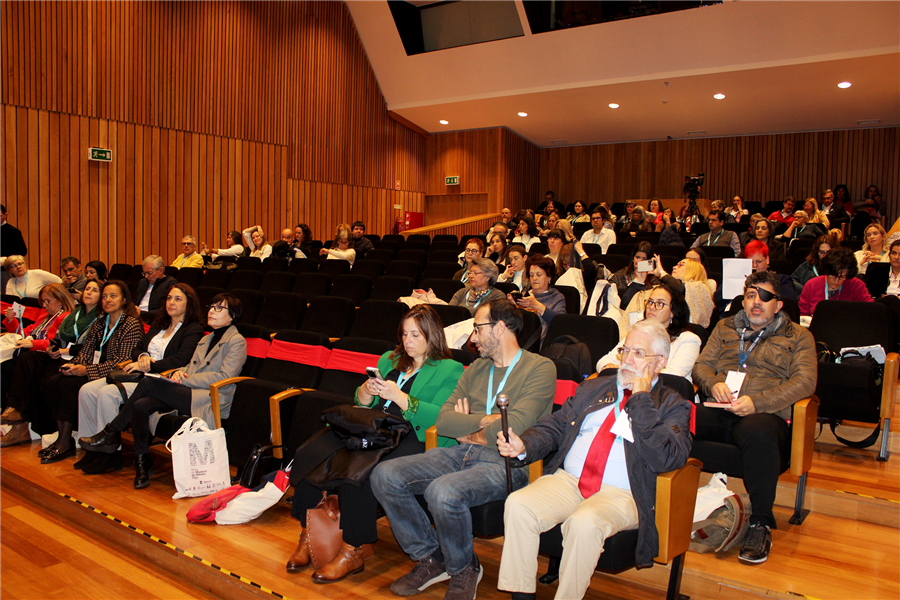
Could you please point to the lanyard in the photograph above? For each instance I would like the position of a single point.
(742, 356)
(815, 272)
(595, 236)
(708, 243)
(491, 398)
(797, 232)
(400, 379)
(480, 300)
(77, 316)
(16, 287)
(109, 333)
(829, 294)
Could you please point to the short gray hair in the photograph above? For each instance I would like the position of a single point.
(189, 237)
(156, 260)
(660, 337)
(489, 268)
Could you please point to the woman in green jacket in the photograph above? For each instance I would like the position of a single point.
(419, 376)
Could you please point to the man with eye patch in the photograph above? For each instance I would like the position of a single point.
(772, 363)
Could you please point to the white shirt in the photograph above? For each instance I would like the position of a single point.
(157, 346)
(526, 240)
(604, 238)
(144, 304)
(234, 250)
(893, 287)
(30, 285)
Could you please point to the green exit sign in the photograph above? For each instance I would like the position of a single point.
(101, 154)
(452, 180)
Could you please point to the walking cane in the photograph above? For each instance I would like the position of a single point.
(502, 403)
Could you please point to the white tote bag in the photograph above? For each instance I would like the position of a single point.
(199, 459)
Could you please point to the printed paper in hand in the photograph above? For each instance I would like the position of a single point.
(734, 272)
(734, 380)
(622, 427)
(18, 310)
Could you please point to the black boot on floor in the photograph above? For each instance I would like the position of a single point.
(106, 463)
(107, 440)
(143, 471)
(88, 458)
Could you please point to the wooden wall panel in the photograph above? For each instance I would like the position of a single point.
(760, 168)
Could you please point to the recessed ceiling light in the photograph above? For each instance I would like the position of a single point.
(844, 85)
(523, 114)
(444, 122)
(719, 96)
(614, 105)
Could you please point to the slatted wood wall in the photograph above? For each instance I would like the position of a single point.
(760, 168)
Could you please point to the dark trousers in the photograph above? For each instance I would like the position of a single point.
(24, 392)
(60, 400)
(762, 439)
(359, 507)
(152, 395)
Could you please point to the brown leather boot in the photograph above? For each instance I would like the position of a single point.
(300, 558)
(349, 561)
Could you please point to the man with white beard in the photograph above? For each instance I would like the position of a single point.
(611, 440)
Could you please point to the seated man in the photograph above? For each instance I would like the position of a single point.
(190, 257)
(777, 358)
(717, 235)
(598, 234)
(598, 483)
(800, 228)
(73, 279)
(358, 239)
(786, 214)
(455, 478)
(153, 288)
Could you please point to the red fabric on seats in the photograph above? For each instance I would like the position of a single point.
(304, 354)
(257, 347)
(565, 389)
(353, 362)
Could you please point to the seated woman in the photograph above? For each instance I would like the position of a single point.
(340, 248)
(556, 241)
(799, 228)
(96, 271)
(303, 237)
(526, 233)
(24, 282)
(655, 211)
(812, 266)
(474, 249)
(688, 219)
(515, 267)
(550, 223)
(482, 276)
(169, 344)
(764, 231)
(629, 280)
(737, 210)
(816, 216)
(547, 302)
(419, 376)
(699, 255)
(640, 221)
(873, 249)
(666, 305)
(109, 342)
(256, 241)
(893, 288)
(689, 278)
(218, 356)
(747, 236)
(35, 367)
(496, 249)
(57, 303)
(838, 281)
(579, 213)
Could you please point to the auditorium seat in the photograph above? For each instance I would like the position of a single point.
(170, 271)
(392, 288)
(206, 294)
(303, 265)
(378, 320)
(119, 271)
(273, 264)
(277, 281)
(258, 341)
(440, 270)
(380, 254)
(244, 280)
(573, 298)
(313, 284)
(334, 267)
(404, 268)
(190, 276)
(451, 314)
(329, 316)
(442, 288)
(419, 237)
(355, 287)
(282, 310)
(443, 256)
(251, 303)
(621, 248)
(373, 269)
(215, 278)
(249, 262)
(419, 256)
(600, 334)
(445, 237)
(443, 246)
(414, 245)
(395, 238)
(386, 245)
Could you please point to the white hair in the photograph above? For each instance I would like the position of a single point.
(659, 336)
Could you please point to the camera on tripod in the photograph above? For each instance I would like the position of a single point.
(692, 190)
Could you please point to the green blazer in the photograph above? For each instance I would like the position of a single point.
(432, 386)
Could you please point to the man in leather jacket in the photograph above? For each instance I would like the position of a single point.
(594, 506)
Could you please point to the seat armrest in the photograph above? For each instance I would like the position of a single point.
(275, 417)
(535, 469)
(431, 437)
(676, 494)
(214, 396)
(889, 384)
(123, 364)
(803, 434)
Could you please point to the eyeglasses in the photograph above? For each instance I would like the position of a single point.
(764, 294)
(490, 323)
(216, 308)
(17, 265)
(187, 243)
(681, 263)
(46, 301)
(148, 273)
(472, 251)
(475, 273)
(657, 304)
(624, 351)
(596, 218)
(839, 277)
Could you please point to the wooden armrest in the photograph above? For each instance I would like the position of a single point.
(431, 437)
(275, 417)
(535, 469)
(169, 372)
(889, 385)
(123, 364)
(803, 434)
(214, 396)
(333, 340)
(593, 375)
(676, 494)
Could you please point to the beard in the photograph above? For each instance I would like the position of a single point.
(487, 346)
(626, 376)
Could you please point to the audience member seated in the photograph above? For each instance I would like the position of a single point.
(281, 249)
(700, 256)
(505, 215)
(667, 224)
(169, 344)
(814, 215)
(96, 271)
(598, 234)
(455, 478)
(73, 279)
(233, 247)
(556, 241)
(639, 221)
(838, 281)
(526, 233)
(154, 287)
(419, 376)
(596, 484)
(893, 288)
(778, 358)
(515, 267)
(110, 341)
(566, 228)
(765, 232)
(340, 249)
(11, 241)
(630, 280)
(474, 249)
(799, 228)
(737, 210)
(666, 306)
(35, 367)
(720, 205)
(358, 239)
(786, 214)
(550, 208)
(302, 239)
(579, 213)
(549, 223)
(718, 236)
(655, 211)
(496, 249)
(190, 257)
(812, 266)
(479, 288)
(836, 213)
(842, 197)
(24, 282)
(867, 211)
(758, 253)
(255, 239)
(498, 227)
(873, 249)
(750, 235)
(218, 356)
(547, 302)
(689, 278)
(688, 219)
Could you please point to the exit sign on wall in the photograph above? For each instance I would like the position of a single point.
(101, 154)
(452, 180)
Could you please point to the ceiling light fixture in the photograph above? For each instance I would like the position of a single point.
(444, 122)
(614, 105)
(719, 96)
(523, 114)
(844, 85)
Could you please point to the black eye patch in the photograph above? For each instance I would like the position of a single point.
(765, 295)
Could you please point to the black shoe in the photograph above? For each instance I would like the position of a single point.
(106, 463)
(107, 440)
(58, 455)
(757, 544)
(143, 471)
(44, 452)
(88, 458)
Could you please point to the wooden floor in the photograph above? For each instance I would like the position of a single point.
(53, 547)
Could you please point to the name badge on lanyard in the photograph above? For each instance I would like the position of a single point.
(97, 354)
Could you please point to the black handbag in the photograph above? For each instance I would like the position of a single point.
(117, 377)
(365, 429)
(260, 464)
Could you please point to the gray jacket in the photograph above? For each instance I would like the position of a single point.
(224, 361)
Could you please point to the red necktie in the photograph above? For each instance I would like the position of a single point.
(595, 463)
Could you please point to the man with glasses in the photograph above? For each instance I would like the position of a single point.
(717, 235)
(837, 214)
(73, 279)
(154, 287)
(599, 234)
(455, 478)
(190, 257)
(769, 363)
(610, 439)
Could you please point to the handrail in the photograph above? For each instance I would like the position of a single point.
(456, 223)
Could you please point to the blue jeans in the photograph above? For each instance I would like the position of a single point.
(452, 480)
